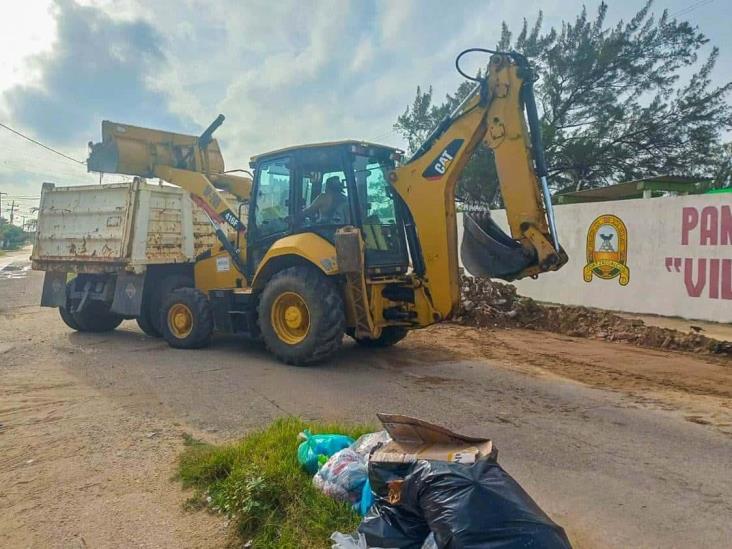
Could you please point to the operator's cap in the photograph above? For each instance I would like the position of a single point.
(334, 182)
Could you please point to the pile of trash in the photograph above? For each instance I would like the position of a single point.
(486, 303)
(419, 485)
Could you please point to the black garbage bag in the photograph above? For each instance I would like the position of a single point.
(466, 506)
(477, 506)
(392, 526)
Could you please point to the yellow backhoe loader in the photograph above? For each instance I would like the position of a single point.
(348, 237)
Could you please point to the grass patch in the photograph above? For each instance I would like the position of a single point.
(259, 484)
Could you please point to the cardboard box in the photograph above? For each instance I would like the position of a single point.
(414, 439)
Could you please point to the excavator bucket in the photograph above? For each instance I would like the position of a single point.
(487, 251)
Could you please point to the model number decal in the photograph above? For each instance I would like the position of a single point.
(439, 165)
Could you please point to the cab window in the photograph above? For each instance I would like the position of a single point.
(324, 191)
(378, 210)
(271, 214)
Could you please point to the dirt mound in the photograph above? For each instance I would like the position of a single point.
(485, 303)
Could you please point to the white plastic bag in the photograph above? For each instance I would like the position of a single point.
(358, 541)
(343, 476)
(366, 443)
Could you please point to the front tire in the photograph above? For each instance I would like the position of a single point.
(186, 319)
(301, 316)
(150, 312)
(391, 335)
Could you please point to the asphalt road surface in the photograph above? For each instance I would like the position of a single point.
(614, 468)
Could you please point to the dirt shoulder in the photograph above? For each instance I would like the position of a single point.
(77, 469)
(697, 385)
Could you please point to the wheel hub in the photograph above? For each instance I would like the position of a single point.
(180, 320)
(290, 318)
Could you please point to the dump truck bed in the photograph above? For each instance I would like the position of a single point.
(122, 226)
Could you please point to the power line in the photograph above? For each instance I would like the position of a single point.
(691, 7)
(16, 132)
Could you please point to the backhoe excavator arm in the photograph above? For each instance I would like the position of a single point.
(495, 113)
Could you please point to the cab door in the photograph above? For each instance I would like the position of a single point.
(270, 214)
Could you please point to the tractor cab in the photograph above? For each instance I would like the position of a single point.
(323, 187)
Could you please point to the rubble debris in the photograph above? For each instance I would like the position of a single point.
(486, 303)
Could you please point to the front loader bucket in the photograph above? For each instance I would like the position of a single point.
(487, 251)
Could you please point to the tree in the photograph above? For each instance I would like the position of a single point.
(615, 103)
(11, 237)
(722, 166)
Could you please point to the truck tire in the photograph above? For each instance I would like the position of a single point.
(68, 318)
(186, 319)
(144, 321)
(149, 319)
(301, 316)
(65, 312)
(96, 317)
(391, 335)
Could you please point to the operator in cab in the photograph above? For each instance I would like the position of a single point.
(330, 206)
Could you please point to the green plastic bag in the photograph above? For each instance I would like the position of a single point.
(315, 450)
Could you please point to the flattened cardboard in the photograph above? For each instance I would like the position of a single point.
(414, 439)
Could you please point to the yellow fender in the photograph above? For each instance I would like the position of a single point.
(293, 250)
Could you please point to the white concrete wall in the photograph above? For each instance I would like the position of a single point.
(679, 254)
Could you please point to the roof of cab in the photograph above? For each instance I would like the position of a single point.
(326, 144)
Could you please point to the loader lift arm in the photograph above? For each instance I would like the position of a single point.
(192, 163)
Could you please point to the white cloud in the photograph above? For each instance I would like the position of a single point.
(285, 72)
(26, 29)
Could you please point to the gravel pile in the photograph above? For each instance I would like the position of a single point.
(486, 303)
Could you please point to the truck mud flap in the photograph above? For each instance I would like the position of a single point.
(487, 251)
(128, 294)
(54, 289)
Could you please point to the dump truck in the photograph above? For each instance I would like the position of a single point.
(115, 249)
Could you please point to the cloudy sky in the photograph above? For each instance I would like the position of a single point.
(283, 72)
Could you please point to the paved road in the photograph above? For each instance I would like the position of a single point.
(613, 473)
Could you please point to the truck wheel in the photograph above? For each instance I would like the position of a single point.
(186, 319)
(151, 306)
(301, 316)
(144, 321)
(65, 312)
(96, 317)
(68, 318)
(391, 335)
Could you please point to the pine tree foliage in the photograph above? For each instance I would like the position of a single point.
(617, 102)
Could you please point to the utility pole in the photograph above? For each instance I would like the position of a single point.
(12, 211)
(1, 204)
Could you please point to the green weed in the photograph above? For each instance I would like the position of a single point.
(258, 483)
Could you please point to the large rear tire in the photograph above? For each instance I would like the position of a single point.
(391, 335)
(96, 317)
(68, 318)
(144, 321)
(301, 316)
(65, 312)
(186, 319)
